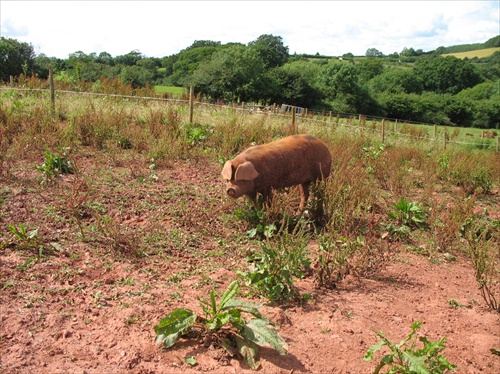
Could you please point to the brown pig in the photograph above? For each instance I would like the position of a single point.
(294, 160)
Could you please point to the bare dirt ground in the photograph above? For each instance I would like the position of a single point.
(89, 306)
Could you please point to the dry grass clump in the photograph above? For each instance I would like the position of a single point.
(472, 171)
(419, 132)
(237, 130)
(349, 196)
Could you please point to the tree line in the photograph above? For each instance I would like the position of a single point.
(412, 85)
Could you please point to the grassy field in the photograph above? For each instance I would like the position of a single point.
(176, 91)
(479, 53)
(113, 213)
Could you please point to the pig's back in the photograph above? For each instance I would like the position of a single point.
(290, 161)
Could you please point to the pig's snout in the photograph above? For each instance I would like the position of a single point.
(231, 192)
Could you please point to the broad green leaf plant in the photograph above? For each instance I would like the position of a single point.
(404, 358)
(224, 322)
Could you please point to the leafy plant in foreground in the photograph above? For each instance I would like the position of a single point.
(27, 239)
(405, 215)
(223, 324)
(483, 252)
(406, 359)
(272, 271)
(258, 217)
(333, 262)
(54, 165)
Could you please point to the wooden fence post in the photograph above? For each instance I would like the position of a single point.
(383, 130)
(444, 139)
(191, 103)
(52, 92)
(498, 141)
(293, 122)
(435, 134)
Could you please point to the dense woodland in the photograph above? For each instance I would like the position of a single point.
(412, 85)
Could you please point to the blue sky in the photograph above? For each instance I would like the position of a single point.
(163, 28)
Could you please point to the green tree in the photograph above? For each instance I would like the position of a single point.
(487, 113)
(483, 101)
(42, 64)
(188, 61)
(348, 57)
(397, 81)
(293, 83)
(493, 42)
(429, 107)
(447, 74)
(105, 58)
(408, 55)
(130, 59)
(370, 67)
(151, 65)
(168, 64)
(490, 66)
(373, 52)
(83, 67)
(271, 49)
(341, 88)
(137, 76)
(482, 91)
(203, 43)
(234, 73)
(15, 58)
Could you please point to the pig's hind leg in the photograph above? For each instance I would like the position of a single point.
(304, 195)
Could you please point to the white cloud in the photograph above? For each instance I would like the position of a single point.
(161, 28)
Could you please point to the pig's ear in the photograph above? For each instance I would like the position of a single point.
(227, 171)
(245, 172)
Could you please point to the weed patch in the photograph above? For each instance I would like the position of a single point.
(272, 270)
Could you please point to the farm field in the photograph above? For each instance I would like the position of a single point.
(113, 214)
(480, 53)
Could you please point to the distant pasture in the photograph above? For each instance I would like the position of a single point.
(471, 54)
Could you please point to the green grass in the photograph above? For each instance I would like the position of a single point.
(178, 91)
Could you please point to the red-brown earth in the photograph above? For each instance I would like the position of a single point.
(89, 306)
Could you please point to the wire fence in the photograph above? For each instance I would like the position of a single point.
(385, 127)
